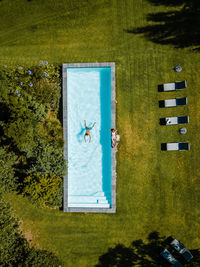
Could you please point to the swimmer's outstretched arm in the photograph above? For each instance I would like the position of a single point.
(92, 125)
(85, 123)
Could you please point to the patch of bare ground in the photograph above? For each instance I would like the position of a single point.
(28, 234)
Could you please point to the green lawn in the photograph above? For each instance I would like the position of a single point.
(156, 191)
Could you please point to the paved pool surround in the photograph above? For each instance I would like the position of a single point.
(68, 207)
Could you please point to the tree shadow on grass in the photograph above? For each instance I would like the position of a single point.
(180, 28)
(144, 254)
(168, 2)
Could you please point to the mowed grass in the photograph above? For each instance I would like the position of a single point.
(156, 191)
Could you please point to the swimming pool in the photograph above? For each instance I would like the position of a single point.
(88, 96)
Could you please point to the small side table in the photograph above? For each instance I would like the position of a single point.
(183, 130)
(178, 68)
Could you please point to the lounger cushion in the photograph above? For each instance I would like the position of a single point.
(184, 146)
(183, 119)
(171, 120)
(180, 85)
(170, 102)
(172, 146)
(169, 86)
(181, 101)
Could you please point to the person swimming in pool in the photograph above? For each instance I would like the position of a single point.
(87, 133)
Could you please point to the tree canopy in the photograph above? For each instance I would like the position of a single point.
(31, 139)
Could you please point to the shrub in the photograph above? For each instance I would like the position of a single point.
(47, 159)
(52, 129)
(41, 82)
(41, 258)
(7, 169)
(43, 189)
(14, 248)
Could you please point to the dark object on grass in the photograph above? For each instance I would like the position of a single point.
(176, 86)
(181, 249)
(170, 258)
(175, 102)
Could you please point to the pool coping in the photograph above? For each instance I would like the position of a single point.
(65, 122)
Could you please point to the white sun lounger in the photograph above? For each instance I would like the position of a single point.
(170, 258)
(172, 86)
(175, 146)
(175, 102)
(174, 120)
(181, 249)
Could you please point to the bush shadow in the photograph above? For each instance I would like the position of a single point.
(60, 107)
(145, 254)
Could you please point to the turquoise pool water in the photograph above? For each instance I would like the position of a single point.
(89, 163)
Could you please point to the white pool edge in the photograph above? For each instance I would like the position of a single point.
(66, 207)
